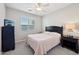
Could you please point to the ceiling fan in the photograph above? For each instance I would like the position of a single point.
(41, 6)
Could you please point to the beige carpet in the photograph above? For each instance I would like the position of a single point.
(24, 49)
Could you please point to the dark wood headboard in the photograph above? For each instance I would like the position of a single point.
(54, 29)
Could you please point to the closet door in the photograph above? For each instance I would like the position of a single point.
(8, 40)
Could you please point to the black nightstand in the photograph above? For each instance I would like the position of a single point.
(70, 43)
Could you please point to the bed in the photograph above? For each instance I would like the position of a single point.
(41, 43)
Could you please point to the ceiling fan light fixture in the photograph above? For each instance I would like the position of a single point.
(39, 9)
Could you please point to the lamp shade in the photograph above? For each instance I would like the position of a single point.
(70, 26)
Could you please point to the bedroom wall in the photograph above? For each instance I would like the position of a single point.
(2, 16)
(15, 15)
(62, 16)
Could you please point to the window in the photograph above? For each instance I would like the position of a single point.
(1, 22)
(8, 22)
(26, 23)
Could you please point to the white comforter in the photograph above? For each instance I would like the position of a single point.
(43, 42)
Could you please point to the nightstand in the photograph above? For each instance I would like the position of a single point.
(70, 43)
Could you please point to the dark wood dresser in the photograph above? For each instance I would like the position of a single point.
(70, 43)
(8, 39)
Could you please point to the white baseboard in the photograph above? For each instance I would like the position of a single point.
(20, 41)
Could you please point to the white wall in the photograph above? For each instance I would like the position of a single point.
(2, 11)
(60, 17)
(15, 15)
(2, 16)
